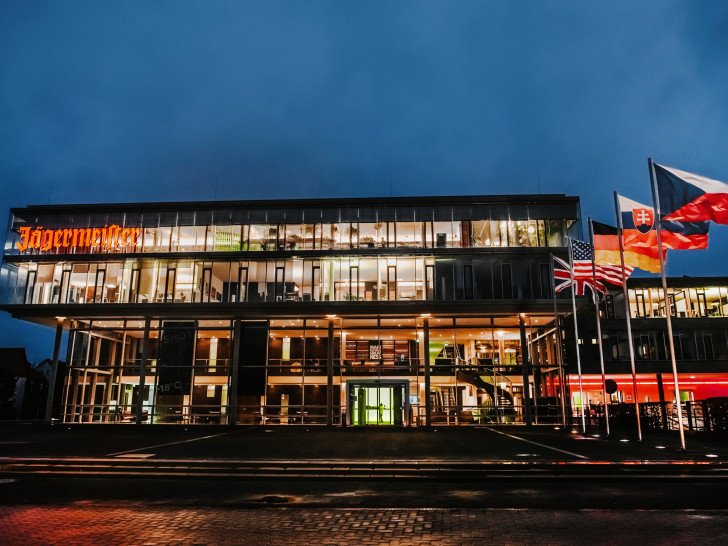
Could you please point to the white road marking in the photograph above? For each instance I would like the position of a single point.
(167, 444)
(537, 443)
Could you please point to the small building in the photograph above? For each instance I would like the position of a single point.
(699, 310)
(23, 389)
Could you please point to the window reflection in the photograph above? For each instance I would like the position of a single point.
(339, 236)
(352, 278)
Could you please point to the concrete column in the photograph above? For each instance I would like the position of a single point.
(525, 371)
(330, 376)
(426, 340)
(54, 369)
(235, 372)
(143, 372)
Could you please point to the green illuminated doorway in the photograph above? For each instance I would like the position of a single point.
(377, 403)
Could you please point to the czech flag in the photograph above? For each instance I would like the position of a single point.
(688, 197)
(639, 236)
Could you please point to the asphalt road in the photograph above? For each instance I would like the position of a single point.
(504, 468)
(256, 485)
(463, 444)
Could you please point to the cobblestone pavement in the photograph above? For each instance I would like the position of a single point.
(86, 523)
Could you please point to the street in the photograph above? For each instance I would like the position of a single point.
(137, 485)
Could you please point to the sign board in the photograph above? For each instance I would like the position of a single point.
(107, 237)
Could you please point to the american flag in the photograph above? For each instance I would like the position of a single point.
(612, 273)
(583, 276)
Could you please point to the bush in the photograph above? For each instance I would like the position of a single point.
(717, 412)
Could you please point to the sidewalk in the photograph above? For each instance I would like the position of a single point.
(29, 526)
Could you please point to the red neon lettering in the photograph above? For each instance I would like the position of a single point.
(47, 240)
(107, 237)
(57, 236)
(84, 237)
(35, 237)
(24, 238)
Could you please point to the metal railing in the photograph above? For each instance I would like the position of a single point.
(160, 413)
(698, 415)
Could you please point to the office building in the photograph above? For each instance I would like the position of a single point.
(394, 311)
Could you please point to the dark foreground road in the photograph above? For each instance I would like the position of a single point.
(129, 485)
(137, 524)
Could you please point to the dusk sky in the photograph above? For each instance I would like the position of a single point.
(175, 100)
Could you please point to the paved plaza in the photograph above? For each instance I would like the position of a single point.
(137, 524)
(247, 485)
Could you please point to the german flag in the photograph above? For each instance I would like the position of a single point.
(606, 253)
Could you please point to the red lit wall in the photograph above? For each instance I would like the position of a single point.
(701, 386)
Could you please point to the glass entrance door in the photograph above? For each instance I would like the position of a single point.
(376, 404)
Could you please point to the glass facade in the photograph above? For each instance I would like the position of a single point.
(400, 312)
(698, 307)
(692, 302)
(292, 279)
(378, 370)
(541, 221)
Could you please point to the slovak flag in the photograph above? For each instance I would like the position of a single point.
(643, 219)
(687, 197)
(639, 235)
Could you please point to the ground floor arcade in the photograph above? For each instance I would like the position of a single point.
(337, 370)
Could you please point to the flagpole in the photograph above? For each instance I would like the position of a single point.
(595, 292)
(576, 333)
(658, 222)
(628, 314)
(557, 336)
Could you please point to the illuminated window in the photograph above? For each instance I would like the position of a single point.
(212, 364)
(286, 348)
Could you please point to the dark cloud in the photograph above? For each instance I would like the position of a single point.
(120, 101)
